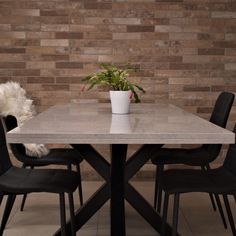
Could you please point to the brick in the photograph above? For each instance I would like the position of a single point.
(49, 57)
(25, 42)
(68, 35)
(40, 64)
(5, 42)
(211, 51)
(97, 35)
(54, 42)
(54, 20)
(13, 35)
(55, 87)
(91, 5)
(55, 27)
(69, 80)
(127, 21)
(12, 50)
(72, 65)
(5, 27)
(223, 14)
(141, 28)
(26, 27)
(12, 65)
(40, 35)
(126, 36)
(225, 44)
(57, 12)
(196, 88)
(230, 66)
(26, 12)
(182, 66)
(95, 20)
(183, 36)
(26, 72)
(40, 80)
(168, 28)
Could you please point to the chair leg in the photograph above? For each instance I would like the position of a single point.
(23, 202)
(69, 167)
(1, 198)
(164, 215)
(62, 214)
(229, 213)
(159, 189)
(218, 202)
(10, 202)
(80, 185)
(220, 210)
(72, 213)
(210, 194)
(156, 187)
(25, 195)
(175, 214)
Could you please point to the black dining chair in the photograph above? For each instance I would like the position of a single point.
(15, 181)
(56, 156)
(220, 181)
(200, 156)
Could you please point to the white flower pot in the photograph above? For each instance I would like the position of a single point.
(120, 101)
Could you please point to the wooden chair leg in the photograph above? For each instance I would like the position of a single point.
(72, 213)
(220, 210)
(62, 214)
(80, 190)
(229, 213)
(10, 202)
(165, 213)
(175, 214)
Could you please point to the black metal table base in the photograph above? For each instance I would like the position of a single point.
(117, 188)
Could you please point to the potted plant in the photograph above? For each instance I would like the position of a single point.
(121, 89)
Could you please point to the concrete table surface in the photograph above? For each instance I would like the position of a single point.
(95, 124)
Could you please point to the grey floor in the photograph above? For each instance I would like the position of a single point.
(41, 216)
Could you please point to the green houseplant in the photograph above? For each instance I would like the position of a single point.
(121, 89)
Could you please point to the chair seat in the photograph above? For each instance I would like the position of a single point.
(19, 180)
(213, 181)
(194, 157)
(58, 156)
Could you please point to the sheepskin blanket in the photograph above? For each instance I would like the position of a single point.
(13, 101)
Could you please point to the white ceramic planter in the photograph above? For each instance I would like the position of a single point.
(120, 101)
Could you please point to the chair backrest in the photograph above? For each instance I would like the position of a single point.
(219, 116)
(5, 162)
(230, 159)
(220, 113)
(17, 149)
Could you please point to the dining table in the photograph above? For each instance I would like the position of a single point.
(149, 125)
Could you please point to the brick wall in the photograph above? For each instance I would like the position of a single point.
(184, 50)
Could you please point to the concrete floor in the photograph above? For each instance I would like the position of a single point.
(41, 216)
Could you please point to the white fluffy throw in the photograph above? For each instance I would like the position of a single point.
(13, 101)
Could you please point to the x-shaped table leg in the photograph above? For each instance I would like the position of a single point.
(117, 188)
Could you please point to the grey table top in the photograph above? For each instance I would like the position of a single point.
(95, 124)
